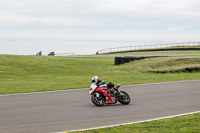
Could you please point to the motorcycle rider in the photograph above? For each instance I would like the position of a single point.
(39, 53)
(101, 83)
(98, 82)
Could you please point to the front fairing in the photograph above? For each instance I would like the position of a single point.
(92, 88)
(109, 99)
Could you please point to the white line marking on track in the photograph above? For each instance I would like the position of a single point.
(160, 118)
(43, 92)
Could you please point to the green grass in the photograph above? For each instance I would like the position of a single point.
(182, 124)
(21, 74)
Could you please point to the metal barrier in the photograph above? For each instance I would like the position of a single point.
(65, 54)
(145, 47)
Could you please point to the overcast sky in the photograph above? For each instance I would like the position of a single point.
(100, 17)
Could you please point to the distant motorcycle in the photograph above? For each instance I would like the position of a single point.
(51, 54)
(102, 95)
(39, 53)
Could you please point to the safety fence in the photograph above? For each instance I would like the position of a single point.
(145, 47)
(67, 54)
(64, 54)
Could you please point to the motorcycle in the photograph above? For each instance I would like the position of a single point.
(51, 54)
(102, 95)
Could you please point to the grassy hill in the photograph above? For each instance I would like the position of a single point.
(20, 74)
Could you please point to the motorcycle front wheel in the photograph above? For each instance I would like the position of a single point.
(98, 99)
(124, 98)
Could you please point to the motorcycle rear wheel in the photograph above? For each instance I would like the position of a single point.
(98, 99)
(124, 98)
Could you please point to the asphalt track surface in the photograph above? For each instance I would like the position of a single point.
(70, 110)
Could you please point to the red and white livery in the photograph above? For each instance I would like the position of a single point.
(102, 95)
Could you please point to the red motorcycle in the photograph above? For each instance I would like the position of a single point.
(102, 95)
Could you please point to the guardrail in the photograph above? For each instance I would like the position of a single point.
(64, 54)
(145, 47)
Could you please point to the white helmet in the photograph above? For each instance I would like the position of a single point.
(95, 79)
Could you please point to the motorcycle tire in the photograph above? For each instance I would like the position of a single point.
(124, 98)
(98, 101)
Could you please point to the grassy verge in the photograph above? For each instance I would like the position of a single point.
(182, 124)
(21, 74)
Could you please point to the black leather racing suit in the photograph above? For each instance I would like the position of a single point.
(101, 83)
